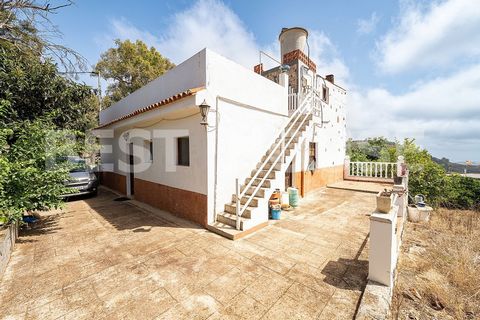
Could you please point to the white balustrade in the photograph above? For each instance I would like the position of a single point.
(373, 170)
(292, 101)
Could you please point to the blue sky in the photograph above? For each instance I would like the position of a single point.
(412, 68)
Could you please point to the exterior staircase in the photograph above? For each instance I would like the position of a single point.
(250, 212)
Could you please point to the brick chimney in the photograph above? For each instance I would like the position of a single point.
(258, 68)
(330, 77)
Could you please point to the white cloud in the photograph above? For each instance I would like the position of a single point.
(210, 23)
(366, 26)
(324, 53)
(442, 114)
(431, 37)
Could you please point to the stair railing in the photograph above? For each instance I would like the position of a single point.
(305, 109)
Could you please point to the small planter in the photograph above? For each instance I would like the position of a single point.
(419, 214)
(384, 201)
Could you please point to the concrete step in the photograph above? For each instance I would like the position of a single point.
(294, 140)
(232, 208)
(230, 232)
(268, 165)
(266, 184)
(260, 192)
(256, 201)
(277, 152)
(230, 219)
(271, 175)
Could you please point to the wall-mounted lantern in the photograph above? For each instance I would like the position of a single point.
(204, 109)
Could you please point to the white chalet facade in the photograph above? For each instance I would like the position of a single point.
(269, 129)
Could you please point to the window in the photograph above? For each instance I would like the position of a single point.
(325, 93)
(183, 151)
(148, 147)
(312, 156)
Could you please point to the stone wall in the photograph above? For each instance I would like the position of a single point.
(8, 236)
(273, 74)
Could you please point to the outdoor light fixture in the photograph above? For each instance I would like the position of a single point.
(204, 109)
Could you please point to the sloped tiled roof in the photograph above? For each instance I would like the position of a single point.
(176, 97)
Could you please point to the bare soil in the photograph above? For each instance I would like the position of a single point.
(439, 268)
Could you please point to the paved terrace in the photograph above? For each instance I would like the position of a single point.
(101, 258)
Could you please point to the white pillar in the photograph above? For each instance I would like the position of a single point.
(283, 80)
(401, 166)
(346, 167)
(382, 258)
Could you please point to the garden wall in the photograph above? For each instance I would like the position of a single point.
(8, 236)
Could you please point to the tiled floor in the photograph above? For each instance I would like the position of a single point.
(101, 258)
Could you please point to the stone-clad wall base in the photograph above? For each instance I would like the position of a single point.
(114, 181)
(182, 203)
(8, 236)
(317, 179)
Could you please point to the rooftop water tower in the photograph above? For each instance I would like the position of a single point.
(292, 39)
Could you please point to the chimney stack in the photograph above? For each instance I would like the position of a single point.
(331, 78)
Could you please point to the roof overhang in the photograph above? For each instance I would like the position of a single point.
(173, 106)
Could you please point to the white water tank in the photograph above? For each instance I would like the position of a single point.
(292, 39)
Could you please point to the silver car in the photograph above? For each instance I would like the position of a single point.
(82, 180)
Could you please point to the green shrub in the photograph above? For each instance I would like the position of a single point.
(426, 177)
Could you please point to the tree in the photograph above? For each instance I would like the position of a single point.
(32, 88)
(30, 177)
(43, 115)
(129, 66)
(25, 24)
(426, 177)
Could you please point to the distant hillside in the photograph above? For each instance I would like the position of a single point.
(456, 167)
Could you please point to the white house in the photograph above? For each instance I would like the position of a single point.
(269, 129)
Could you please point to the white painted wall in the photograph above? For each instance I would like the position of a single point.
(251, 111)
(228, 79)
(244, 135)
(192, 178)
(331, 137)
(247, 113)
(187, 75)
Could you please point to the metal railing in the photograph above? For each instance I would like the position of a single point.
(305, 109)
(292, 101)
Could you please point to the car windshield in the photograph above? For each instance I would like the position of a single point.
(78, 165)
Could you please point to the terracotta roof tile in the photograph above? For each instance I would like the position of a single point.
(176, 97)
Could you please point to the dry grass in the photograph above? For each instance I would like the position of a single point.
(439, 268)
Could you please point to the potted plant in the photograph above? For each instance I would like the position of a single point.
(384, 201)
